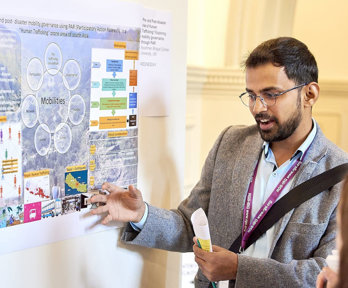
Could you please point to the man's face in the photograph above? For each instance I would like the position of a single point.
(279, 121)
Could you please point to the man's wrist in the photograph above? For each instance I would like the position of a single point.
(139, 225)
(142, 212)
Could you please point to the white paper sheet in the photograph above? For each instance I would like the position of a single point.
(201, 228)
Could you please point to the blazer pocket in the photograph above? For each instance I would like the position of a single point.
(299, 240)
(306, 228)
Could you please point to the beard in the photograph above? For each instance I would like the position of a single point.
(282, 131)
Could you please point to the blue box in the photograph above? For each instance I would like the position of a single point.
(114, 65)
(132, 100)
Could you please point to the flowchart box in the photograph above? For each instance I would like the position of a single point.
(114, 84)
(132, 100)
(114, 65)
(113, 103)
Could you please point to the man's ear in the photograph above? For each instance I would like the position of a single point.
(311, 94)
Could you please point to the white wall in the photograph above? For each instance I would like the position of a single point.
(323, 26)
(99, 260)
(207, 32)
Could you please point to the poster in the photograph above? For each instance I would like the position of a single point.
(70, 99)
(68, 115)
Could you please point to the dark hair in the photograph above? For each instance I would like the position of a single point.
(343, 214)
(287, 52)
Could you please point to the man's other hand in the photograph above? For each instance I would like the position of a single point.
(221, 264)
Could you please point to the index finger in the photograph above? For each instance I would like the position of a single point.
(99, 210)
(98, 198)
(112, 188)
(199, 252)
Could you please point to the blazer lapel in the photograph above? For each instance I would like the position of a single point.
(245, 164)
(316, 152)
(241, 176)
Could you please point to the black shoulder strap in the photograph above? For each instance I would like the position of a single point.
(294, 198)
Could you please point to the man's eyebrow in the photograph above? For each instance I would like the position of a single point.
(264, 89)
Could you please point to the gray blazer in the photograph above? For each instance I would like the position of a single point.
(303, 237)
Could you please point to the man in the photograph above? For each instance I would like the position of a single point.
(243, 171)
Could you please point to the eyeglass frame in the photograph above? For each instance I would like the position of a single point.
(275, 96)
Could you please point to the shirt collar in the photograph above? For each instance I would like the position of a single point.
(304, 146)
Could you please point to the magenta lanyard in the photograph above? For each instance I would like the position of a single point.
(248, 228)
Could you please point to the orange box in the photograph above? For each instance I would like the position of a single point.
(36, 173)
(112, 122)
(117, 134)
(3, 118)
(75, 168)
(92, 149)
(92, 165)
(94, 122)
(91, 180)
(120, 45)
(131, 55)
(133, 77)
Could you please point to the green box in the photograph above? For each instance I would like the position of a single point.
(114, 84)
(116, 103)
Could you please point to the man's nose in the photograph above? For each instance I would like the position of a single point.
(259, 106)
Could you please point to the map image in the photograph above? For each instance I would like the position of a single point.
(76, 182)
(36, 186)
(68, 114)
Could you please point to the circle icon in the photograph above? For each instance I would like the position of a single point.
(42, 139)
(53, 58)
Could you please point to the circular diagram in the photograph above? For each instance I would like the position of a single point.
(53, 101)
(35, 72)
(53, 59)
(71, 74)
(42, 139)
(62, 138)
(51, 104)
(77, 109)
(29, 111)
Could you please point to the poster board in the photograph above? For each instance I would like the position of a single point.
(68, 119)
(69, 111)
(104, 12)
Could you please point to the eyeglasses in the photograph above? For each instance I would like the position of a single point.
(267, 99)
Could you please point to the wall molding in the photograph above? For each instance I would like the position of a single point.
(218, 81)
(330, 87)
(224, 81)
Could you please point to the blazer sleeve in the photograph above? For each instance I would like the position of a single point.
(172, 229)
